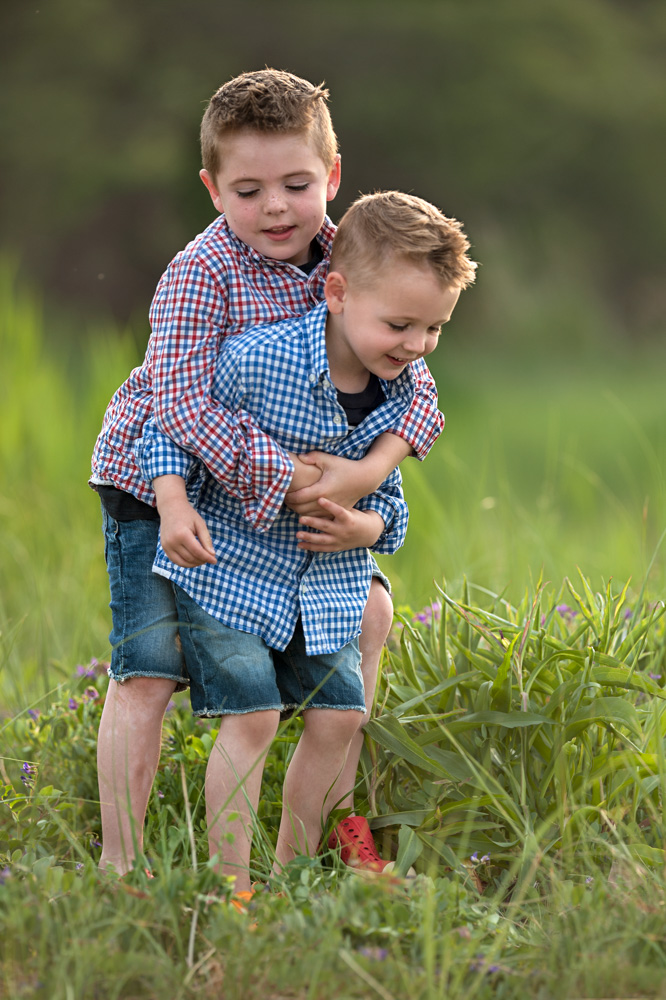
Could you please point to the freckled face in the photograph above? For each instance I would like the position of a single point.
(273, 190)
(380, 328)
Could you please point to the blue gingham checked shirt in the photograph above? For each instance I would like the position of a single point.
(218, 287)
(262, 581)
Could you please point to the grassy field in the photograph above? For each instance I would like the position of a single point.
(516, 760)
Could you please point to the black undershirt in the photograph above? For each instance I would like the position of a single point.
(122, 506)
(359, 405)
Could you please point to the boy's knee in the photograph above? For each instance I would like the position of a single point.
(332, 726)
(255, 729)
(378, 614)
(149, 694)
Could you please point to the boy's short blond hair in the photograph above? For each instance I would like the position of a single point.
(268, 100)
(390, 224)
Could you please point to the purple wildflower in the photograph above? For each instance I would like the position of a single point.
(88, 671)
(33, 713)
(171, 706)
(4, 875)
(474, 857)
(376, 954)
(90, 694)
(565, 611)
(478, 964)
(430, 614)
(73, 704)
(29, 774)
(655, 677)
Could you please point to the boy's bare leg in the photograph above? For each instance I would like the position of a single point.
(233, 784)
(318, 760)
(376, 625)
(128, 752)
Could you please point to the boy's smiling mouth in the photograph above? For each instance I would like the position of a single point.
(280, 232)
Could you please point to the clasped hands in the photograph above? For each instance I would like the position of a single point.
(323, 491)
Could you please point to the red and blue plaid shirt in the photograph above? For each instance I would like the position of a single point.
(219, 286)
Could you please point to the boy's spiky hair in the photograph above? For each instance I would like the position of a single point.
(396, 225)
(267, 100)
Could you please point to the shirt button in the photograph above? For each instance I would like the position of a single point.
(337, 419)
(311, 378)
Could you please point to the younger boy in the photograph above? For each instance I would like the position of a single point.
(274, 622)
(270, 164)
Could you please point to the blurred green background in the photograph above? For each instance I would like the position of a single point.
(541, 125)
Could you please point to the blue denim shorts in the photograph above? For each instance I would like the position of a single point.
(232, 672)
(144, 635)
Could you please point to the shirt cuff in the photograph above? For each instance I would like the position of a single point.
(265, 472)
(395, 515)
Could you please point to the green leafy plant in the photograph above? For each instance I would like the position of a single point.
(520, 733)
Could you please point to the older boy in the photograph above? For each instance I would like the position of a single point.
(270, 165)
(273, 623)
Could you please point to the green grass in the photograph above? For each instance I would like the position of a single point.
(517, 755)
(516, 762)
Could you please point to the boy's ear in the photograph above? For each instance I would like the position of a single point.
(212, 190)
(333, 182)
(335, 292)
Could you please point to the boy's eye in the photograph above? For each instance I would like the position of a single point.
(298, 187)
(397, 327)
(247, 194)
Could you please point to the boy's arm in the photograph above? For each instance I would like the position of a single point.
(183, 532)
(379, 522)
(345, 481)
(186, 317)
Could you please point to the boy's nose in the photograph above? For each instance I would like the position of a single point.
(415, 344)
(275, 202)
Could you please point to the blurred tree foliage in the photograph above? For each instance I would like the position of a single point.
(541, 124)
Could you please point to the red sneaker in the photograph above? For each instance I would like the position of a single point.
(357, 847)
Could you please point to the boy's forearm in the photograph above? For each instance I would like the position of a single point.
(384, 455)
(168, 490)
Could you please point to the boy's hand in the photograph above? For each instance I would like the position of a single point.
(183, 532)
(338, 479)
(339, 529)
(305, 473)
(345, 481)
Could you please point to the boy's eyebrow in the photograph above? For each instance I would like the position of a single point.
(292, 173)
(403, 317)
